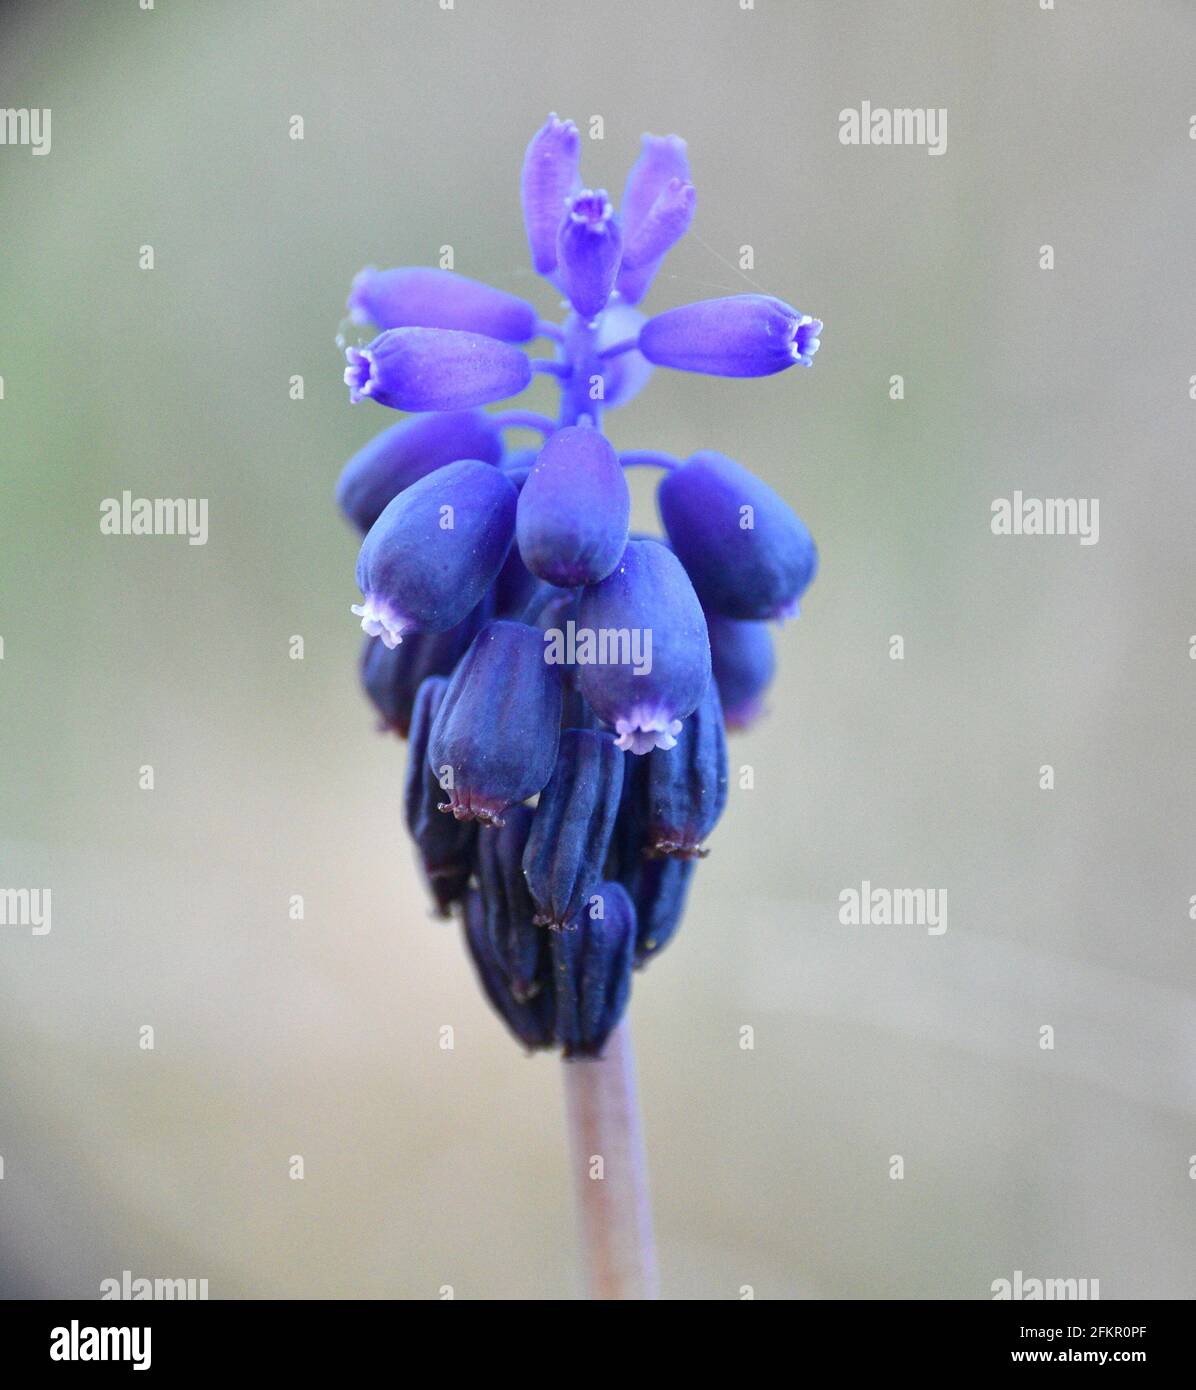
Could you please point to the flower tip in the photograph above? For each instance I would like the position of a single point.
(644, 730)
(359, 374)
(806, 341)
(473, 807)
(379, 620)
(592, 209)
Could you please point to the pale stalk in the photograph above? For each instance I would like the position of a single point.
(610, 1173)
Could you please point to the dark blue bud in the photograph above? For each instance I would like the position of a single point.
(571, 832)
(532, 1021)
(646, 614)
(408, 451)
(686, 789)
(589, 248)
(392, 675)
(625, 375)
(434, 551)
(592, 958)
(519, 945)
(571, 523)
(743, 662)
(445, 846)
(420, 297)
(435, 369)
(550, 175)
(744, 335)
(495, 739)
(666, 223)
(658, 886)
(659, 894)
(746, 550)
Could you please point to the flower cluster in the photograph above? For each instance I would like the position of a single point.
(531, 648)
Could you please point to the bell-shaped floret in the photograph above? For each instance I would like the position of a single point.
(495, 739)
(434, 551)
(747, 552)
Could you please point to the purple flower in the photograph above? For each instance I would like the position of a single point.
(649, 598)
(745, 335)
(666, 223)
(520, 946)
(421, 297)
(534, 669)
(571, 523)
(495, 739)
(406, 452)
(445, 846)
(592, 959)
(531, 1019)
(550, 175)
(573, 824)
(434, 551)
(686, 788)
(743, 662)
(748, 554)
(435, 369)
(589, 248)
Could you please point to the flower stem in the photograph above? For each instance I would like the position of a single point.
(524, 420)
(649, 458)
(612, 1195)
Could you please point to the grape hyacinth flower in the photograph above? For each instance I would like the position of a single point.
(566, 685)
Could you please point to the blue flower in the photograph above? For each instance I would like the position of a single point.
(445, 846)
(420, 297)
(550, 175)
(572, 828)
(592, 960)
(494, 742)
(648, 595)
(435, 369)
(405, 452)
(744, 335)
(435, 550)
(589, 249)
(743, 661)
(746, 551)
(571, 522)
(549, 653)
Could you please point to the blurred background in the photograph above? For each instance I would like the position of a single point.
(1067, 907)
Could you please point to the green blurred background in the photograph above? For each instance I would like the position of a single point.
(273, 1038)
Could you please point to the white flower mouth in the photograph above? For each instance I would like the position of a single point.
(359, 374)
(379, 619)
(806, 341)
(646, 729)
